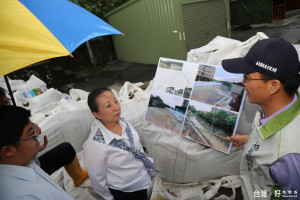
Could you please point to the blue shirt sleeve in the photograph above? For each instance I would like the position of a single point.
(286, 172)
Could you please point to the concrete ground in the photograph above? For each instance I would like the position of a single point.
(288, 29)
(115, 73)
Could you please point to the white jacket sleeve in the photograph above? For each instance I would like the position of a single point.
(95, 161)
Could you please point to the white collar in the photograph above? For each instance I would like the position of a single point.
(107, 134)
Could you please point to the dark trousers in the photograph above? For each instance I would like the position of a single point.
(57, 157)
(137, 195)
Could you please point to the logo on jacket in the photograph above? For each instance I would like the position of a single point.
(256, 146)
(249, 158)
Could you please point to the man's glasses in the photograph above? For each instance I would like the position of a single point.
(35, 134)
(247, 78)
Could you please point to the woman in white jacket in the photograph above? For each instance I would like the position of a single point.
(114, 157)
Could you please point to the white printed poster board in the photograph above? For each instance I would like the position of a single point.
(200, 102)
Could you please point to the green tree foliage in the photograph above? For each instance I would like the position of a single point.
(156, 101)
(220, 119)
(193, 109)
(99, 7)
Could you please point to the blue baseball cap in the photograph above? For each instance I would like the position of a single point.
(273, 57)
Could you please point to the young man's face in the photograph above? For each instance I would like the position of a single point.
(256, 88)
(28, 149)
(3, 100)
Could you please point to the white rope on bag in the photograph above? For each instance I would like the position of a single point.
(231, 182)
(168, 194)
(213, 189)
(213, 186)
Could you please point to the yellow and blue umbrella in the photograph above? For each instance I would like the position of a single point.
(36, 30)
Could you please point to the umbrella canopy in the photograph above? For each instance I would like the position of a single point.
(36, 30)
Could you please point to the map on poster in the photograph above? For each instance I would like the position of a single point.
(198, 101)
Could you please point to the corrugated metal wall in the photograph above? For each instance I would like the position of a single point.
(167, 28)
(203, 21)
(152, 30)
(250, 12)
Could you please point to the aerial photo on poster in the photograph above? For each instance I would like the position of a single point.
(217, 87)
(209, 125)
(198, 101)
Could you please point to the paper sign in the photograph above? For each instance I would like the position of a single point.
(198, 101)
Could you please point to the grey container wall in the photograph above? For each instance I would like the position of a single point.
(167, 28)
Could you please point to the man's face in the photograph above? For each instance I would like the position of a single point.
(256, 88)
(28, 149)
(3, 100)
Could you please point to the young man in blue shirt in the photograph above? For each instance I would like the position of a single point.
(20, 177)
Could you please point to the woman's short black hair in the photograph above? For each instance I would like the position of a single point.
(92, 98)
(13, 120)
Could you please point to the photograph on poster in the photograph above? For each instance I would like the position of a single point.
(170, 65)
(175, 78)
(198, 101)
(209, 125)
(167, 111)
(217, 87)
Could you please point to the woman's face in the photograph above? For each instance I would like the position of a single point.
(109, 110)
